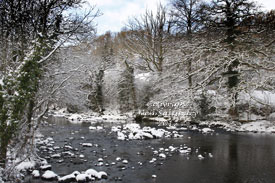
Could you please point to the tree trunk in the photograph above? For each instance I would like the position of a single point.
(189, 71)
(3, 151)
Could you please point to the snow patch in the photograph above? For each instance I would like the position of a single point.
(261, 126)
(26, 165)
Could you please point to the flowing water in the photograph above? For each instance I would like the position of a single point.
(237, 157)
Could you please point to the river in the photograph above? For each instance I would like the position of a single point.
(228, 157)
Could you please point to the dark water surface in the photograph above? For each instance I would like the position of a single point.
(237, 158)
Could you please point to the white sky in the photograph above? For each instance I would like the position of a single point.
(117, 12)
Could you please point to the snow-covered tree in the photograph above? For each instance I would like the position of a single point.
(127, 90)
(187, 18)
(31, 32)
(148, 37)
(187, 15)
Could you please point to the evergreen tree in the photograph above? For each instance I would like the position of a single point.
(127, 91)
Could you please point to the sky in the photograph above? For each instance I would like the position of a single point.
(115, 13)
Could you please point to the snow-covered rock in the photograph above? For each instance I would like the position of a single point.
(200, 157)
(46, 167)
(92, 128)
(91, 172)
(125, 161)
(81, 156)
(99, 128)
(162, 155)
(152, 160)
(49, 175)
(87, 144)
(68, 153)
(82, 177)
(176, 135)
(102, 175)
(133, 127)
(35, 173)
(68, 178)
(58, 155)
(184, 151)
(121, 136)
(68, 147)
(159, 133)
(133, 131)
(146, 135)
(100, 160)
(207, 130)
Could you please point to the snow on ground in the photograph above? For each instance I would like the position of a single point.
(133, 131)
(261, 126)
(25, 165)
(257, 97)
(92, 117)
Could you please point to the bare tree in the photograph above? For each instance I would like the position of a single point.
(187, 16)
(148, 38)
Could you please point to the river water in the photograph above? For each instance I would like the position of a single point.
(237, 157)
